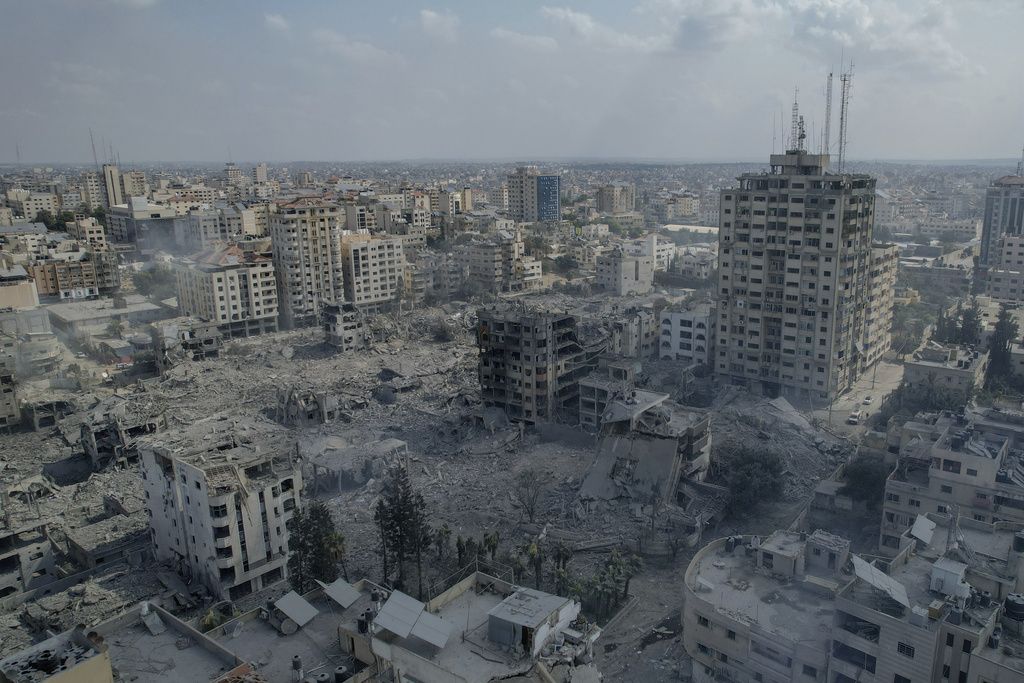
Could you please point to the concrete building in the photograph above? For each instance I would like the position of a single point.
(1004, 215)
(235, 289)
(964, 465)
(87, 230)
(620, 274)
(687, 335)
(530, 365)
(733, 634)
(374, 268)
(112, 184)
(952, 367)
(306, 238)
(1005, 279)
(499, 264)
(17, 288)
(259, 173)
(85, 273)
(26, 334)
(28, 204)
(219, 507)
(534, 196)
(344, 326)
(10, 409)
(795, 268)
(147, 226)
(662, 249)
(616, 197)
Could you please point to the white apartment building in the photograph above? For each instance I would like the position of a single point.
(795, 267)
(218, 508)
(619, 274)
(306, 243)
(373, 268)
(87, 230)
(27, 204)
(232, 288)
(688, 335)
(662, 248)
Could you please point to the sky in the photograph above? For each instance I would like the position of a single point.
(334, 80)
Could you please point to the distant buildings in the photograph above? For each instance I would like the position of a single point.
(801, 306)
(499, 264)
(534, 196)
(616, 197)
(1004, 215)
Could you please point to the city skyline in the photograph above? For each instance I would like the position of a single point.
(658, 80)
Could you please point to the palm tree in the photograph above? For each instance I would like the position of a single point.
(441, 538)
(634, 565)
(561, 554)
(491, 543)
(115, 326)
(535, 553)
(336, 545)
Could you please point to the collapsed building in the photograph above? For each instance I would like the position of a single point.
(305, 408)
(530, 365)
(107, 432)
(219, 496)
(344, 326)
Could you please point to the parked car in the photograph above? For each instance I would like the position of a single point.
(868, 400)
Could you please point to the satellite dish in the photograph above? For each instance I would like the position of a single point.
(105, 375)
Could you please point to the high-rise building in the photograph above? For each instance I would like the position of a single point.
(233, 288)
(795, 311)
(1004, 215)
(93, 193)
(259, 173)
(373, 270)
(534, 196)
(616, 198)
(306, 240)
(112, 182)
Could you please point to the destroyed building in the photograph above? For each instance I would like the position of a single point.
(26, 557)
(343, 326)
(10, 409)
(108, 430)
(612, 378)
(185, 339)
(530, 365)
(305, 408)
(219, 497)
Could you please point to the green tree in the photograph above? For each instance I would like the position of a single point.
(46, 218)
(530, 484)
(753, 475)
(401, 518)
(309, 543)
(633, 566)
(1004, 334)
(115, 326)
(536, 553)
(337, 546)
(865, 481)
(155, 283)
(970, 324)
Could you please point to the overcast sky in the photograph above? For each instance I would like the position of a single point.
(176, 80)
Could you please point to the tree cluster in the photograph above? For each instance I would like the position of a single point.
(155, 283)
(1001, 373)
(401, 518)
(315, 545)
(753, 475)
(963, 326)
(865, 481)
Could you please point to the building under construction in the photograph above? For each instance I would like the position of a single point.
(531, 365)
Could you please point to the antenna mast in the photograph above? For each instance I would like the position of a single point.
(1020, 164)
(828, 114)
(844, 115)
(95, 159)
(794, 131)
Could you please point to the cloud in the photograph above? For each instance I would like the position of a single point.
(886, 34)
(136, 3)
(525, 42)
(82, 82)
(355, 51)
(276, 22)
(441, 27)
(584, 26)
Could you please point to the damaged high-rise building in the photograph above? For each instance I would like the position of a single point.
(530, 365)
(219, 502)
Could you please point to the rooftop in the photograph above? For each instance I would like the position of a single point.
(744, 593)
(81, 311)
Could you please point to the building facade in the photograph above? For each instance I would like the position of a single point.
(232, 288)
(306, 242)
(687, 335)
(534, 196)
(794, 266)
(374, 269)
(1004, 215)
(616, 197)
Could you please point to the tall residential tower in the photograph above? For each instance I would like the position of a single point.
(802, 302)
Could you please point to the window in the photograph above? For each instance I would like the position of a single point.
(949, 643)
(904, 649)
(810, 671)
(703, 621)
(900, 679)
(946, 489)
(731, 635)
(968, 645)
(972, 473)
(945, 671)
(914, 503)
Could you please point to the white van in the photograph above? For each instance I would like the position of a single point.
(855, 417)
